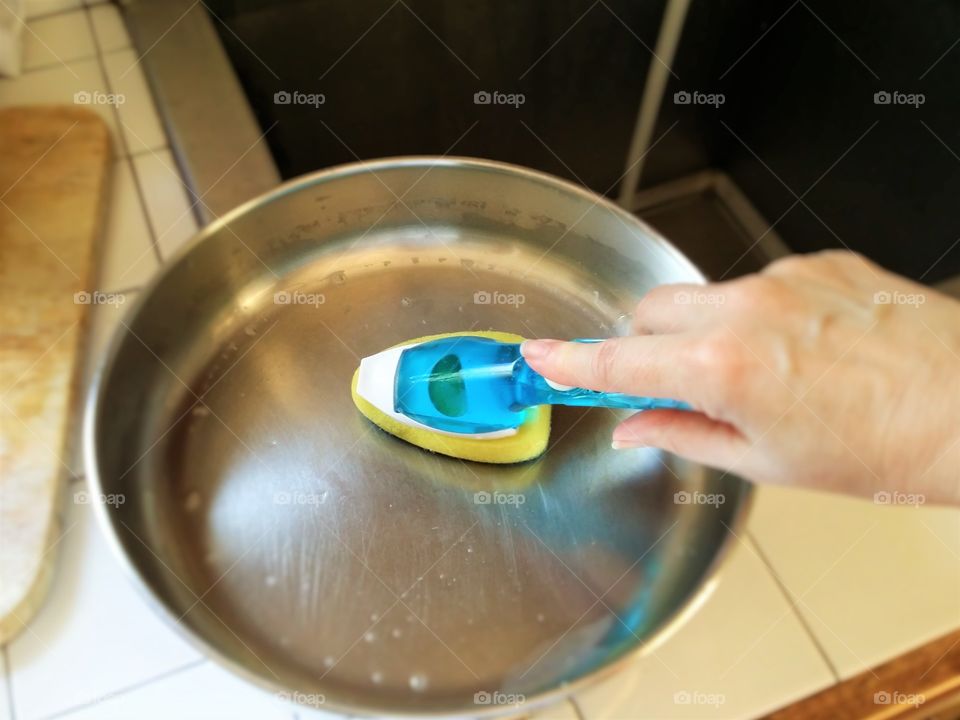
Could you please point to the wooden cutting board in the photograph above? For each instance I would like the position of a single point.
(54, 170)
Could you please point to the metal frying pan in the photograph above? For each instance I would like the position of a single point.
(321, 558)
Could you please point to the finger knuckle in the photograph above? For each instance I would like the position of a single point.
(752, 289)
(839, 257)
(606, 362)
(723, 356)
(787, 265)
(776, 295)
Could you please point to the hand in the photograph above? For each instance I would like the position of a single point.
(823, 371)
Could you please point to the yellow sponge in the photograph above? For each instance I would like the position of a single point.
(529, 441)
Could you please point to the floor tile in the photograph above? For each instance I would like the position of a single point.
(80, 82)
(139, 121)
(57, 39)
(109, 28)
(35, 8)
(742, 653)
(127, 255)
(167, 204)
(873, 581)
(94, 634)
(103, 320)
(202, 692)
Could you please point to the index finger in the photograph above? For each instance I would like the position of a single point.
(656, 366)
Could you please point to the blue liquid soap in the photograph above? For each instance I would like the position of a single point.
(475, 385)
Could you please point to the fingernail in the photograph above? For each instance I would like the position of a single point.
(535, 349)
(626, 445)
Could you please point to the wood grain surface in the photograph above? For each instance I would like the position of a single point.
(54, 171)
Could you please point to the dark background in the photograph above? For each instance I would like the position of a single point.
(798, 121)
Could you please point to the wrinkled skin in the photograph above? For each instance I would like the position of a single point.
(823, 371)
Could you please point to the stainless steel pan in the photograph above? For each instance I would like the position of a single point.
(325, 560)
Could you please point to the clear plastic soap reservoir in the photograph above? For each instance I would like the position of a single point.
(476, 385)
(462, 384)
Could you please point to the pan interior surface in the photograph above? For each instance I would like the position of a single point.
(328, 560)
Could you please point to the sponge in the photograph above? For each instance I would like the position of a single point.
(529, 442)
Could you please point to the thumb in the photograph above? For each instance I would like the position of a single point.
(691, 435)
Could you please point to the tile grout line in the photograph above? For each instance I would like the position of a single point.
(127, 689)
(58, 64)
(793, 606)
(8, 679)
(128, 155)
(106, 83)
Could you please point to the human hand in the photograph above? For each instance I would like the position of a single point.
(824, 371)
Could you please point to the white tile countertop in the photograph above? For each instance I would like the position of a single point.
(817, 587)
